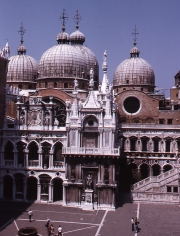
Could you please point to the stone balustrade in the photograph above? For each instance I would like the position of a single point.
(91, 151)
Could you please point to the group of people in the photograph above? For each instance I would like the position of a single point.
(50, 227)
(135, 223)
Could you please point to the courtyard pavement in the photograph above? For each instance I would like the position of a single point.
(155, 220)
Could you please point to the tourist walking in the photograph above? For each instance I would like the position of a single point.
(60, 231)
(136, 222)
(52, 230)
(47, 222)
(132, 222)
(30, 213)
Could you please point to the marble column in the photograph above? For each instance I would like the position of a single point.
(40, 158)
(15, 159)
(39, 191)
(26, 164)
(50, 193)
(51, 160)
(64, 195)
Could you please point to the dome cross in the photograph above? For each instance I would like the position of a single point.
(135, 34)
(63, 18)
(77, 18)
(22, 31)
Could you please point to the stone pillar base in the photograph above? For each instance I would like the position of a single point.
(89, 205)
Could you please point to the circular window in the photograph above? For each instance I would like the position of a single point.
(90, 122)
(131, 104)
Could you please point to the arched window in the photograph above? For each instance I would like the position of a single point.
(65, 85)
(8, 153)
(33, 151)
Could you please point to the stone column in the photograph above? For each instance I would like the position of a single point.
(26, 164)
(99, 172)
(100, 139)
(40, 158)
(25, 118)
(24, 191)
(39, 191)
(51, 118)
(113, 198)
(14, 189)
(1, 158)
(51, 160)
(79, 197)
(112, 138)
(64, 195)
(113, 172)
(50, 192)
(15, 159)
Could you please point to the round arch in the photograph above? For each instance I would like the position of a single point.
(156, 169)
(144, 170)
(167, 167)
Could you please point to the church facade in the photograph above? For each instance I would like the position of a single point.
(70, 139)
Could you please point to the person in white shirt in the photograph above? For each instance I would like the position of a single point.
(60, 231)
(30, 213)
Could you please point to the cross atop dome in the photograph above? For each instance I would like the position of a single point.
(22, 32)
(63, 18)
(135, 34)
(77, 18)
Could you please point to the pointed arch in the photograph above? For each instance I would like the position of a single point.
(9, 151)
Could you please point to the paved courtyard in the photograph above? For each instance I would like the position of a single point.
(155, 220)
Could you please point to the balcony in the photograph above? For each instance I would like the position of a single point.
(91, 151)
(33, 163)
(9, 163)
(58, 164)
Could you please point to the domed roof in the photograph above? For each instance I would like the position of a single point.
(77, 37)
(90, 58)
(22, 67)
(134, 71)
(62, 60)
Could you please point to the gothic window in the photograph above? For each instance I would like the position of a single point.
(8, 154)
(33, 151)
(133, 144)
(168, 143)
(57, 156)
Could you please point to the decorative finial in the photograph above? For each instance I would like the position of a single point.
(91, 82)
(135, 34)
(63, 18)
(75, 84)
(77, 18)
(22, 32)
(105, 56)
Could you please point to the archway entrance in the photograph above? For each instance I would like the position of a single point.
(19, 181)
(7, 187)
(155, 170)
(167, 168)
(31, 189)
(144, 171)
(57, 190)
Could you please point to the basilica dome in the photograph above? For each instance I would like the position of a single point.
(62, 60)
(21, 67)
(134, 71)
(77, 39)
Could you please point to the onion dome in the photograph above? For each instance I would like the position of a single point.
(77, 37)
(21, 67)
(134, 71)
(63, 37)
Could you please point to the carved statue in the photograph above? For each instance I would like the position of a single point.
(150, 145)
(127, 144)
(162, 146)
(56, 122)
(173, 146)
(22, 120)
(68, 104)
(105, 55)
(89, 181)
(46, 119)
(75, 84)
(138, 145)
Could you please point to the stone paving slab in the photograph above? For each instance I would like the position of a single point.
(155, 220)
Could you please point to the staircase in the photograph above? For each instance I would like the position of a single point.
(163, 188)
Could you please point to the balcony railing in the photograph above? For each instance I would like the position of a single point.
(58, 164)
(34, 163)
(9, 162)
(91, 151)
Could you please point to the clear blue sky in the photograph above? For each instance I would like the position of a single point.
(107, 25)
